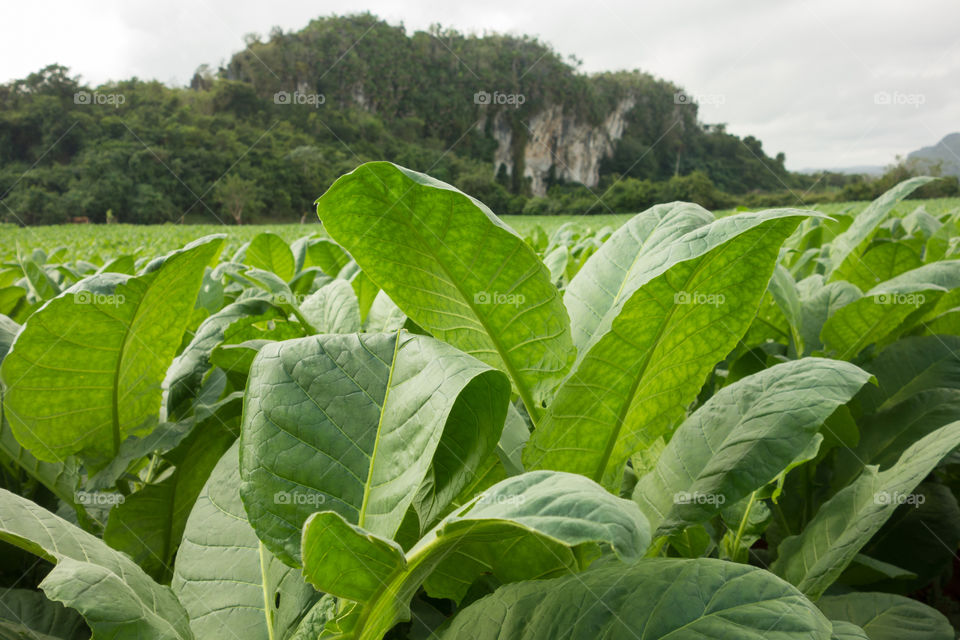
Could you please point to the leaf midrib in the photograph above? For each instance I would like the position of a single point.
(642, 371)
(522, 390)
(361, 517)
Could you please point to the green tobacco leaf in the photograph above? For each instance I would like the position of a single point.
(344, 560)
(456, 270)
(846, 249)
(884, 616)
(614, 272)
(783, 289)
(384, 315)
(8, 331)
(313, 624)
(500, 463)
(269, 252)
(651, 354)
(229, 584)
(929, 527)
(815, 558)
(918, 391)
(326, 254)
(120, 264)
(61, 478)
(461, 464)
(886, 435)
(911, 366)
(883, 309)
(743, 438)
(658, 598)
(556, 262)
(843, 630)
(86, 370)
(149, 524)
(493, 534)
(333, 308)
(353, 422)
(873, 317)
(28, 615)
(536, 525)
(39, 283)
(864, 570)
(116, 598)
(819, 301)
(185, 375)
(880, 263)
(366, 290)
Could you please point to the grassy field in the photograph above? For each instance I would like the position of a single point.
(98, 242)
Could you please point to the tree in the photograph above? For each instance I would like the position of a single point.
(238, 196)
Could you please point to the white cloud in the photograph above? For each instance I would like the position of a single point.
(801, 75)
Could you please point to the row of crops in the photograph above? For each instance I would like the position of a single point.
(428, 426)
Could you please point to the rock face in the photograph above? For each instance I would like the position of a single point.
(557, 140)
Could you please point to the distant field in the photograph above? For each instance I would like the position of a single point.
(96, 242)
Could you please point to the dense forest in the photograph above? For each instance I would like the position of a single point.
(264, 135)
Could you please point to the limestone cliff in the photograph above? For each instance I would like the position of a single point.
(557, 140)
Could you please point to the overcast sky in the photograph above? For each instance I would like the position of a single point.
(810, 78)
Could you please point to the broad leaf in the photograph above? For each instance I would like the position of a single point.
(269, 252)
(29, 615)
(229, 584)
(651, 354)
(884, 616)
(819, 301)
(456, 270)
(815, 558)
(743, 438)
(326, 254)
(668, 599)
(116, 598)
(911, 366)
(60, 478)
(351, 423)
(333, 308)
(185, 375)
(880, 263)
(843, 630)
(149, 524)
(613, 273)
(846, 249)
(536, 525)
(85, 371)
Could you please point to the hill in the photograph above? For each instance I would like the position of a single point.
(505, 118)
(942, 158)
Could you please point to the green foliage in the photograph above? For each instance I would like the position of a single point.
(430, 425)
(261, 137)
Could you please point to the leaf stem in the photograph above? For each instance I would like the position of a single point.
(737, 539)
(267, 605)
